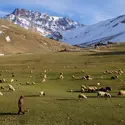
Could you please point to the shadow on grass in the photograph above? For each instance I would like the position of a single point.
(7, 113)
(74, 91)
(108, 53)
(31, 95)
(89, 97)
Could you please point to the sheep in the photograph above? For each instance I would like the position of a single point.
(83, 71)
(2, 80)
(98, 84)
(33, 83)
(103, 90)
(114, 77)
(44, 71)
(82, 96)
(108, 88)
(27, 83)
(88, 77)
(42, 93)
(43, 80)
(103, 94)
(82, 90)
(61, 77)
(1, 93)
(121, 92)
(31, 76)
(83, 86)
(12, 80)
(2, 88)
(44, 76)
(91, 88)
(11, 87)
(120, 71)
(31, 71)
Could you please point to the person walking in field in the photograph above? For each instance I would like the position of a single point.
(21, 105)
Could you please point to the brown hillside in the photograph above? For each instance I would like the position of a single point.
(25, 41)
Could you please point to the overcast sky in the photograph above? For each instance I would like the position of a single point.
(83, 11)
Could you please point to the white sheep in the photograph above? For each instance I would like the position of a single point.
(44, 76)
(12, 80)
(43, 80)
(1, 93)
(42, 93)
(82, 96)
(103, 94)
(121, 92)
(61, 77)
(11, 87)
(44, 71)
(33, 83)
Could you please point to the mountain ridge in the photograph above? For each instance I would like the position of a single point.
(46, 25)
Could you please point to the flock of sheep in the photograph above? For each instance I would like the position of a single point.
(101, 92)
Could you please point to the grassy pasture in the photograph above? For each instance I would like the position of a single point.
(60, 107)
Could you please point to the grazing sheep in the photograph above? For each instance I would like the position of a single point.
(103, 94)
(83, 86)
(12, 80)
(73, 76)
(88, 77)
(44, 71)
(11, 87)
(82, 96)
(42, 93)
(27, 83)
(82, 90)
(120, 71)
(1, 93)
(108, 88)
(121, 92)
(61, 77)
(2, 87)
(43, 80)
(83, 71)
(92, 89)
(2, 80)
(31, 71)
(98, 84)
(33, 83)
(103, 90)
(114, 77)
(44, 76)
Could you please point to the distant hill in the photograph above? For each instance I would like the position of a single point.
(14, 39)
(111, 30)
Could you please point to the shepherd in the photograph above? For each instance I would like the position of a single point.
(21, 105)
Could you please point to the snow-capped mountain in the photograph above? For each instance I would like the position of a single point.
(48, 26)
(112, 30)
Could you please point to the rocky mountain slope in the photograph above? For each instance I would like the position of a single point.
(14, 39)
(48, 26)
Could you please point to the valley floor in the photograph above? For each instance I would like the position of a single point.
(59, 106)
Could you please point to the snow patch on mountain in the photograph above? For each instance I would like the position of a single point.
(49, 26)
(109, 30)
